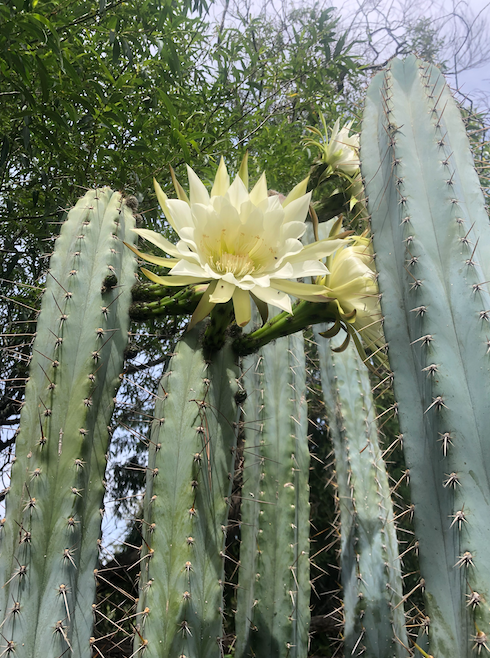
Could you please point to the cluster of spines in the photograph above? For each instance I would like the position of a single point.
(273, 586)
(50, 525)
(439, 228)
(192, 450)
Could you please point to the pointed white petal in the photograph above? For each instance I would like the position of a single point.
(297, 210)
(318, 250)
(223, 292)
(243, 172)
(181, 214)
(162, 200)
(297, 191)
(277, 298)
(296, 288)
(158, 240)
(237, 193)
(221, 181)
(171, 280)
(259, 192)
(197, 192)
(186, 268)
(204, 307)
(294, 230)
(150, 258)
(242, 307)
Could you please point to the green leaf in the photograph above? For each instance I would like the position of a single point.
(43, 78)
(4, 151)
(116, 50)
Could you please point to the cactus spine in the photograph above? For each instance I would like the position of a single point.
(431, 237)
(192, 452)
(274, 590)
(371, 569)
(49, 540)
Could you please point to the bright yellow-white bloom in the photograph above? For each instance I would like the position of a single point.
(341, 151)
(244, 244)
(352, 283)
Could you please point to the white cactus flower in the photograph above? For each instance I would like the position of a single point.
(352, 282)
(341, 151)
(243, 244)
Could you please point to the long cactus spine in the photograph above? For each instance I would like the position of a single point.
(49, 542)
(431, 237)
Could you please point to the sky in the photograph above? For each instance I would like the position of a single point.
(476, 81)
(451, 20)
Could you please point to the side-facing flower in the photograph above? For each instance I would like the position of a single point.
(245, 245)
(352, 283)
(341, 151)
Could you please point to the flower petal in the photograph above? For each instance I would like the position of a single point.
(298, 191)
(276, 298)
(178, 187)
(317, 250)
(197, 192)
(259, 192)
(223, 292)
(181, 214)
(162, 200)
(204, 307)
(297, 209)
(296, 288)
(221, 181)
(243, 172)
(156, 260)
(158, 240)
(186, 268)
(242, 307)
(237, 193)
(171, 280)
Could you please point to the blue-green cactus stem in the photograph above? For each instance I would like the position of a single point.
(191, 464)
(370, 566)
(273, 593)
(49, 542)
(431, 238)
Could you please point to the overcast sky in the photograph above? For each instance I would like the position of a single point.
(451, 19)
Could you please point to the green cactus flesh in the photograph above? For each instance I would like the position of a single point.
(49, 539)
(191, 464)
(431, 238)
(273, 594)
(371, 569)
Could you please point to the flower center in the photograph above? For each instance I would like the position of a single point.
(238, 264)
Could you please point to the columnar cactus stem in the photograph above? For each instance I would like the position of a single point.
(371, 569)
(192, 452)
(273, 590)
(432, 238)
(49, 542)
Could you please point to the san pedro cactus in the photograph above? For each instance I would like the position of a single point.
(49, 538)
(273, 593)
(432, 240)
(371, 571)
(189, 478)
